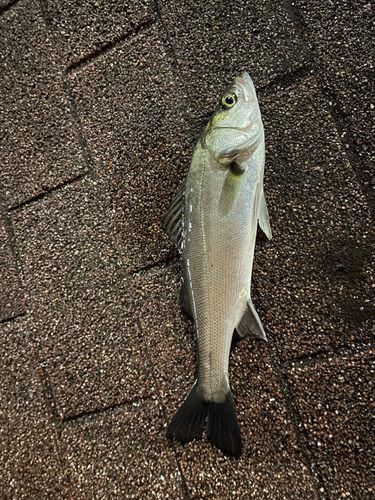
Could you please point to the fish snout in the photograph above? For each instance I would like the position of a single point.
(246, 87)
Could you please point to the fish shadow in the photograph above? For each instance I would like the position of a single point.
(236, 339)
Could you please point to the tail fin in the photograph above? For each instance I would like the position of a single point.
(189, 421)
(223, 430)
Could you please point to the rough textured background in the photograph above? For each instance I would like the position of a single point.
(101, 103)
(11, 302)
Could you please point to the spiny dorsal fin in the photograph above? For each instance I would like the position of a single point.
(250, 324)
(172, 220)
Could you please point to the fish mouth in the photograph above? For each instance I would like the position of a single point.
(245, 84)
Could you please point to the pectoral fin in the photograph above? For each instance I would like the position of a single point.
(172, 220)
(250, 324)
(263, 217)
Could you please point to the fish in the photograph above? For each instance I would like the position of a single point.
(213, 221)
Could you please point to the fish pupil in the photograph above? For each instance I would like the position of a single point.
(229, 100)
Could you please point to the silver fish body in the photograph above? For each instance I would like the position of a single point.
(214, 222)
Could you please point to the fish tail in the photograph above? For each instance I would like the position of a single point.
(222, 427)
(189, 422)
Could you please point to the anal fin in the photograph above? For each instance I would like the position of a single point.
(250, 324)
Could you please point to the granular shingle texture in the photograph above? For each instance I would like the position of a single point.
(80, 301)
(11, 294)
(5, 3)
(101, 105)
(313, 280)
(343, 34)
(40, 148)
(30, 466)
(84, 27)
(271, 457)
(212, 41)
(130, 109)
(336, 400)
(169, 337)
(135, 459)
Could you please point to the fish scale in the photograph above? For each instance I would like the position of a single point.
(219, 250)
(215, 216)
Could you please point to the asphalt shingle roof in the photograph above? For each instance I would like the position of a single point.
(101, 104)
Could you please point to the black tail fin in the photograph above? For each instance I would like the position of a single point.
(189, 421)
(223, 430)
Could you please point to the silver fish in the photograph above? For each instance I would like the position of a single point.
(213, 221)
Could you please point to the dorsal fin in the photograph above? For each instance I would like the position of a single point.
(172, 220)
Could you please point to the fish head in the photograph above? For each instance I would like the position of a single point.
(235, 129)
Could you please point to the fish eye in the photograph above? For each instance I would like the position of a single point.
(229, 100)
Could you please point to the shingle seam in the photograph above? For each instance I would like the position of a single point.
(105, 48)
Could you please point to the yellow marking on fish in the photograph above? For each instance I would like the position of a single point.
(242, 293)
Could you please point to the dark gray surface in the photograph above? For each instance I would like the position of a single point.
(135, 459)
(317, 292)
(101, 358)
(170, 339)
(214, 40)
(343, 34)
(130, 107)
(4, 4)
(85, 27)
(335, 398)
(82, 317)
(40, 148)
(11, 294)
(30, 464)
